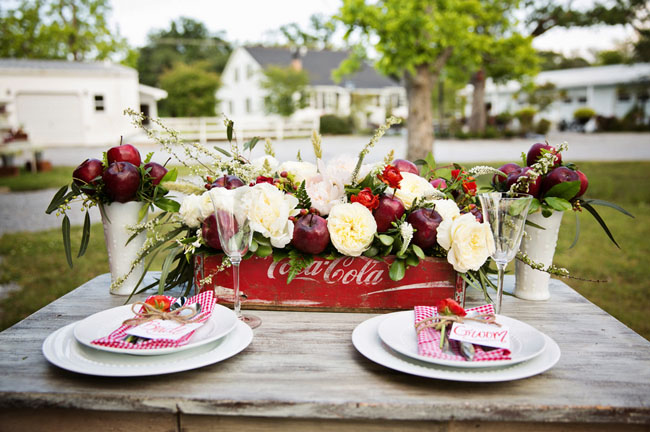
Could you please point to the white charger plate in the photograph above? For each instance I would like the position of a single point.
(221, 322)
(397, 331)
(61, 349)
(366, 340)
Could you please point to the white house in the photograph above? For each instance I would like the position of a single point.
(61, 102)
(608, 90)
(242, 98)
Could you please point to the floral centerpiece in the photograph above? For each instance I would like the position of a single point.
(394, 211)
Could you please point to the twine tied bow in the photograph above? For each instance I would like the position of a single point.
(150, 313)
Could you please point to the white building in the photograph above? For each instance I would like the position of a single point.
(608, 90)
(242, 98)
(61, 102)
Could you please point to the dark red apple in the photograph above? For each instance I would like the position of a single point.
(533, 188)
(210, 233)
(557, 176)
(439, 183)
(584, 183)
(124, 153)
(310, 234)
(426, 222)
(228, 181)
(121, 181)
(404, 165)
(389, 210)
(536, 151)
(156, 173)
(86, 173)
(506, 169)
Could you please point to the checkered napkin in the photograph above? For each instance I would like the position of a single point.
(116, 338)
(429, 339)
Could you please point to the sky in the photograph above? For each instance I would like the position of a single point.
(253, 21)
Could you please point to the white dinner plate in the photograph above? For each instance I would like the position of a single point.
(61, 349)
(397, 331)
(221, 322)
(366, 340)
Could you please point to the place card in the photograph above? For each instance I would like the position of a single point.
(163, 329)
(481, 334)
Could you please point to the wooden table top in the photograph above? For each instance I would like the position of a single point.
(302, 365)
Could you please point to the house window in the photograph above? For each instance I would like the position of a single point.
(623, 95)
(236, 77)
(643, 96)
(249, 71)
(99, 102)
(567, 100)
(582, 99)
(144, 109)
(249, 105)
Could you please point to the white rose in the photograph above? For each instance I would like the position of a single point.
(443, 237)
(190, 211)
(324, 194)
(447, 208)
(300, 170)
(471, 243)
(352, 228)
(411, 187)
(340, 168)
(269, 209)
(258, 163)
(207, 208)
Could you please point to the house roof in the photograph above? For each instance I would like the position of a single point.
(154, 92)
(63, 65)
(319, 65)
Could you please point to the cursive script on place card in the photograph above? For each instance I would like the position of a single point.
(481, 334)
(163, 329)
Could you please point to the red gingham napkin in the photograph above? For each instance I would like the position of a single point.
(429, 339)
(116, 338)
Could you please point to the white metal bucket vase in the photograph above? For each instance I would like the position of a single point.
(116, 218)
(539, 245)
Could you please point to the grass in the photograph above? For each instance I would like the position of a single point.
(624, 295)
(28, 181)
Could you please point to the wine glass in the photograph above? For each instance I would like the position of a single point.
(506, 213)
(235, 235)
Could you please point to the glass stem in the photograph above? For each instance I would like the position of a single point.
(235, 277)
(501, 267)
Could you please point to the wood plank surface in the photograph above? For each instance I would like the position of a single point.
(302, 366)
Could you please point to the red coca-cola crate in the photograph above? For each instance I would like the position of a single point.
(346, 283)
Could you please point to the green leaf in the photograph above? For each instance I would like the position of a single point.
(280, 254)
(148, 158)
(534, 206)
(250, 145)
(566, 190)
(143, 212)
(517, 207)
(608, 204)
(65, 230)
(397, 270)
(533, 224)
(559, 204)
(371, 252)
(253, 247)
(164, 271)
(259, 238)
(386, 240)
(303, 197)
(85, 236)
(418, 251)
(600, 220)
(412, 260)
(546, 212)
(575, 239)
(263, 250)
(297, 263)
(229, 127)
(57, 200)
(223, 151)
(168, 205)
(170, 176)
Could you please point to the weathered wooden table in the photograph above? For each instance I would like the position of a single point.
(301, 372)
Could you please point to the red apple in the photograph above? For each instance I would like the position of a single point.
(584, 183)
(228, 181)
(210, 233)
(506, 169)
(156, 173)
(121, 181)
(536, 151)
(310, 234)
(389, 209)
(557, 176)
(404, 165)
(439, 183)
(426, 222)
(124, 153)
(86, 173)
(533, 188)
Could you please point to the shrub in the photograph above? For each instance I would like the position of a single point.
(525, 117)
(335, 125)
(503, 119)
(608, 124)
(582, 115)
(543, 126)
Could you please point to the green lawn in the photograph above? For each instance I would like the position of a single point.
(27, 181)
(624, 295)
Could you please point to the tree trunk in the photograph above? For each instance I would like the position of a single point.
(478, 118)
(420, 119)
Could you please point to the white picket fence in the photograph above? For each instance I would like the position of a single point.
(204, 129)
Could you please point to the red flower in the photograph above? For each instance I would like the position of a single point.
(391, 176)
(366, 198)
(159, 302)
(262, 179)
(450, 307)
(469, 185)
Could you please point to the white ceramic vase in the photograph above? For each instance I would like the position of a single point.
(116, 218)
(539, 245)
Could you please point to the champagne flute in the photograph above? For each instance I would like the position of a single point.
(235, 235)
(506, 213)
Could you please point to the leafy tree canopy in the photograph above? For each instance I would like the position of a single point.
(285, 88)
(317, 36)
(551, 60)
(192, 91)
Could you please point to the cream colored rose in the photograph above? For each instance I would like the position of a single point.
(413, 187)
(447, 208)
(352, 228)
(471, 243)
(269, 209)
(190, 211)
(300, 170)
